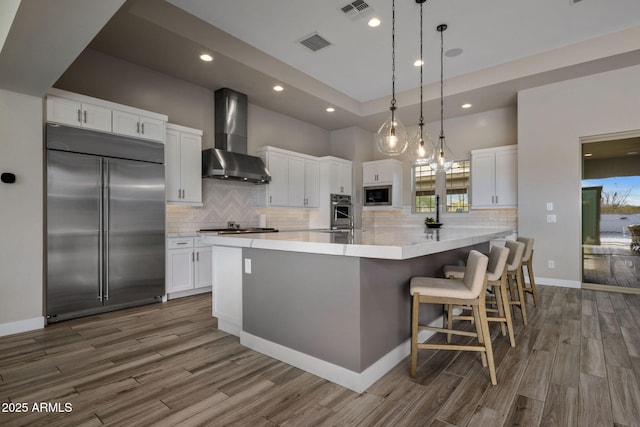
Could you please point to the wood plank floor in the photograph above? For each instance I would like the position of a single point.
(576, 364)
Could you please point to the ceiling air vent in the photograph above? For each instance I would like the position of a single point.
(574, 1)
(356, 9)
(315, 42)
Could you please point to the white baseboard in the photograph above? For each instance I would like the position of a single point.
(545, 281)
(21, 326)
(188, 293)
(355, 381)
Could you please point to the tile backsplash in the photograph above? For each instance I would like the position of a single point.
(475, 218)
(231, 201)
(235, 201)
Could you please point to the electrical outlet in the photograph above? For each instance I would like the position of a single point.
(247, 265)
(551, 263)
(551, 218)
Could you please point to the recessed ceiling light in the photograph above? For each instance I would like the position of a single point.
(588, 154)
(466, 105)
(374, 22)
(206, 57)
(330, 109)
(631, 153)
(453, 52)
(278, 88)
(418, 63)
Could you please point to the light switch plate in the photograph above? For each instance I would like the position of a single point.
(247, 265)
(549, 206)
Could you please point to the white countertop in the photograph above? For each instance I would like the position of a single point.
(379, 242)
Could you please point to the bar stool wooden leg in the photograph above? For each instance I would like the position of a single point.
(523, 305)
(506, 310)
(532, 282)
(484, 325)
(500, 307)
(449, 320)
(481, 335)
(414, 333)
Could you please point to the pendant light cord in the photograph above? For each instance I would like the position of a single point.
(421, 65)
(393, 57)
(441, 28)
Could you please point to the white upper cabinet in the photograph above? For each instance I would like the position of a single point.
(494, 177)
(380, 171)
(294, 182)
(138, 126)
(337, 174)
(78, 114)
(183, 170)
(77, 110)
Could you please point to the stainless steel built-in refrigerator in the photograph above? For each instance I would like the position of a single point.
(105, 222)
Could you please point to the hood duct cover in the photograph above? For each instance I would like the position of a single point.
(229, 160)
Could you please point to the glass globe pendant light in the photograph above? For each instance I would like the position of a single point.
(442, 158)
(391, 138)
(421, 144)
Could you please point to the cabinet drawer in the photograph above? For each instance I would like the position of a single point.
(179, 242)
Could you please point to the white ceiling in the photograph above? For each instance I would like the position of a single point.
(509, 45)
(490, 32)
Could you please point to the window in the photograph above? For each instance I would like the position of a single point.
(425, 187)
(456, 186)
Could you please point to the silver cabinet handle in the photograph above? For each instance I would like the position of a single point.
(269, 199)
(496, 199)
(84, 113)
(179, 193)
(138, 127)
(142, 127)
(183, 196)
(198, 256)
(181, 243)
(79, 115)
(193, 257)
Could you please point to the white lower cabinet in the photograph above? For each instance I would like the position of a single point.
(227, 288)
(189, 266)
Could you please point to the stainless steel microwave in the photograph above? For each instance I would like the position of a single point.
(379, 195)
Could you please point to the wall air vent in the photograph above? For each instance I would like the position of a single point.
(356, 9)
(315, 42)
(574, 1)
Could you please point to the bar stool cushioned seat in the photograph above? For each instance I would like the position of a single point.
(470, 290)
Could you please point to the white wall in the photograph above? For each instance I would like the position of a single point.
(21, 213)
(551, 121)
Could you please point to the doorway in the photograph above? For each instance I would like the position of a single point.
(611, 214)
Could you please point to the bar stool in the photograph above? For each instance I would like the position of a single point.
(527, 260)
(497, 280)
(514, 274)
(470, 290)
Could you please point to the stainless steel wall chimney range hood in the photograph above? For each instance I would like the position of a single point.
(229, 160)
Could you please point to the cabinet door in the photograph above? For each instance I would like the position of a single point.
(64, 111)
(483, 180)
(312, 183)
(96, 118)
(296, 182)
(179, 269)
(173, 186)
(203, 267)
(151, 129)
(344, 179)
(278, 188)
(125, 123)
(191, 167)
(385, 173)
(506, 178)
(369, 174)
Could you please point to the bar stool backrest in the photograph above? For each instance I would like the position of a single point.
(528, 247)
(497, 260)
(475, 272)
(516, 250)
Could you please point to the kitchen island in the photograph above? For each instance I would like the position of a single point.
(335, 304)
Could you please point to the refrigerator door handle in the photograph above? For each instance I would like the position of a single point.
(106, 226)
(100, 230)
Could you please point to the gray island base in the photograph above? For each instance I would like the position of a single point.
(345, 318)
